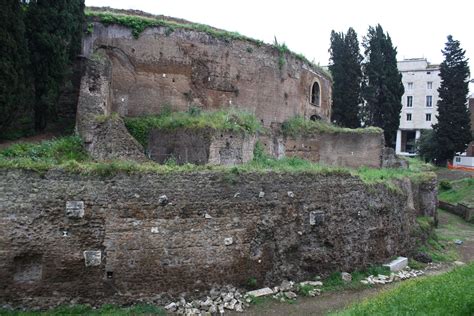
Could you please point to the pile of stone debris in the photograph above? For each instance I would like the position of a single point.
(218, 300)
(406, 273)
(230, 298)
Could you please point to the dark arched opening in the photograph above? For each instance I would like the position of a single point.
(315, 94)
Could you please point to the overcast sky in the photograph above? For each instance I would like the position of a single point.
(418, 27)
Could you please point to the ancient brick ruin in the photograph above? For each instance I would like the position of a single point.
(123, 237)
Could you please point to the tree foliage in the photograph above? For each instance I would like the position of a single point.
(347, 75)
(382, 86)
(54, 30)
(453, 130)
(13, 63)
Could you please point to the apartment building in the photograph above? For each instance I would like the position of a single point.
(421, 81)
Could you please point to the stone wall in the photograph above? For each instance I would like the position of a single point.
(184, 68)
(120, 239)
(104, 133)
(333, 149)
(201, 146)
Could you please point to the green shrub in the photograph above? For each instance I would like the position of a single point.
(445, 185)
(251, 283)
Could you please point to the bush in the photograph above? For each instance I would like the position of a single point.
(445, 185)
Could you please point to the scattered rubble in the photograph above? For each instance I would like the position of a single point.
(218, 300)
(346, 277)
(405, 274)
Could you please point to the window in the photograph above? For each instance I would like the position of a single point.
(429, 85)
(408, 116)
(428, 117)
(428, 72)
(429, 101)
(410, 85)
(315, 94)
(458, 159)
(409, 101)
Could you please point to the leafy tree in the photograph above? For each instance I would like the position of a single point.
(346, 71)
(427, 146)
(453, 130)
(54, 30)
(382, 86)
(14, 87)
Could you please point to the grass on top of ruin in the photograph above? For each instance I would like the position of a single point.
(232, 120)
(138, 24)
(67, 153)
(300, 126)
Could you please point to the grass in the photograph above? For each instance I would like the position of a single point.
(54, 151)
(227, 120)
(298, 125)
(109, 310)
(439, 248)
(461, 191)
(68, 154)
(139, 23)
(451, 293)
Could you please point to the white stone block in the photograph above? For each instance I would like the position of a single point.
(92, 258)
(260, 292)
(75, 209)
(398, 264)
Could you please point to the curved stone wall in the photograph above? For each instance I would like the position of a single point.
(185, 68)
(117, 238)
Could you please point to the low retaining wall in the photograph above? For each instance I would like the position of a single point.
(119, 239)
(201, 146)
(332, 149)
(463, 211)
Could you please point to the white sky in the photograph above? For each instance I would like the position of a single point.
(418, 28)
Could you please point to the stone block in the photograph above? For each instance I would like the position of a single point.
(92, 258)
(260, 292)
(398, 264)
(228, 241)
(316, 218)
(75, 209)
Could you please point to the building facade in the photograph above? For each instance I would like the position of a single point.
(421, 81)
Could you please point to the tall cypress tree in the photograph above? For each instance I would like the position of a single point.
(13, 63)
(347, 75)
(54, 33)
(453, 130)
(383, 88)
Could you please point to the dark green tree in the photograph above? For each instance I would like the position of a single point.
(346, 71)
(14, 87)
(453, 130)
(54, 29)
(426, 145)
(382, 86)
